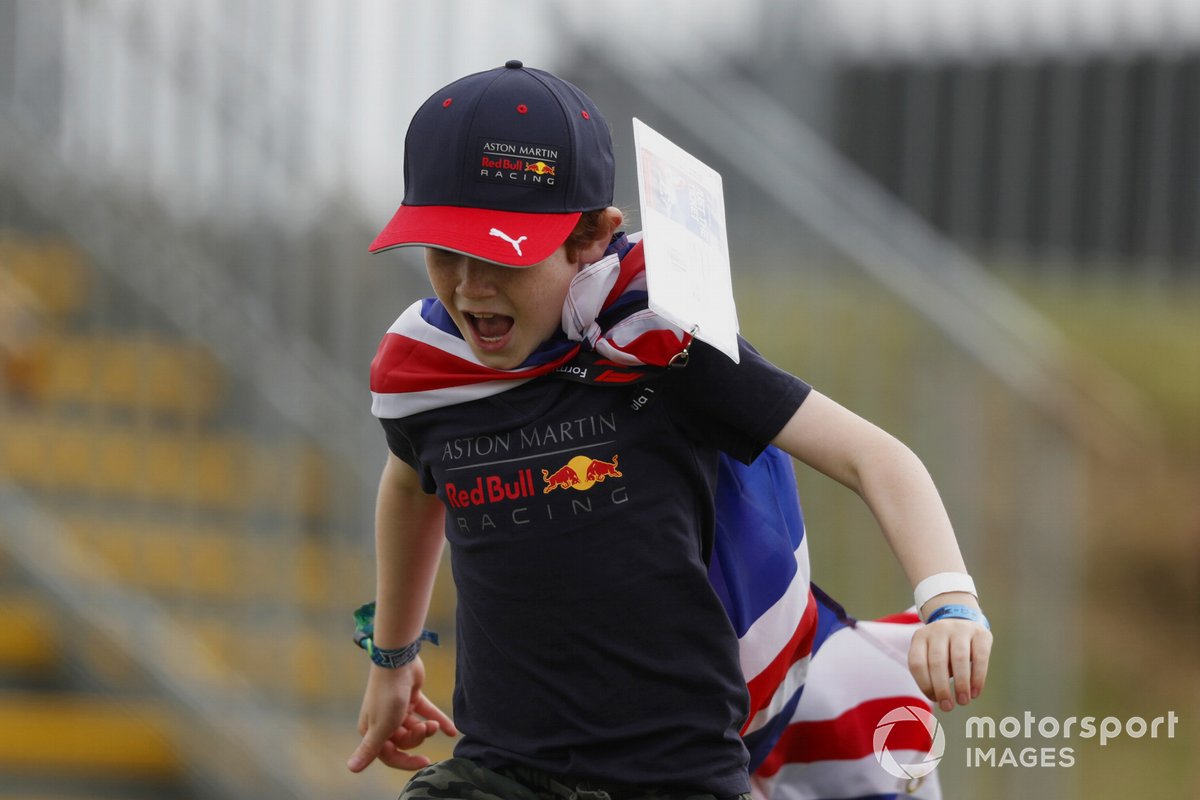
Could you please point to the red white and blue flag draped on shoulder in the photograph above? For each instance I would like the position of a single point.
(819, 680)
(423, 362)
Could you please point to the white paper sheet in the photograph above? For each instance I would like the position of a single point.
(687, 250)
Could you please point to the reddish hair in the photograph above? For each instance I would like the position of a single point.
(592, 225)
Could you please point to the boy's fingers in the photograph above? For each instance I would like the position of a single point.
(939, 672)
(390, 747)
(394, 752)
(960, 664)
(981, 651)
(397, 758)
(918, 665)
(413, 733)
(367, 749)
(423, 706)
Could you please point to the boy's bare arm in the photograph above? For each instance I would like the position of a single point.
(396, 716)
(904, 500)
(885, 473)
(408, 546)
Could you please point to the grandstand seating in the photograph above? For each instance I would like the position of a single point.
(149, 374)
(59, 741)
(123, 435)
(228, 472)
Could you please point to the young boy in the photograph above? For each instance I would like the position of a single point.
(570, 439)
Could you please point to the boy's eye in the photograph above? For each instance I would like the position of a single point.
(440, 257)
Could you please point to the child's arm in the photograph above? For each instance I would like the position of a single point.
(897, 488)
(396, 716)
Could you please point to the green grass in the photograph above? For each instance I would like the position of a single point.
(1148, 334)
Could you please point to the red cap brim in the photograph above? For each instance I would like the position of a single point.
(510, 238)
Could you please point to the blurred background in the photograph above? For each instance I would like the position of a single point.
(974, 223)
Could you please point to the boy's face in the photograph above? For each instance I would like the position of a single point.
(504, 313)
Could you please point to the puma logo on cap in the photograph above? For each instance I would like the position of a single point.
(516, 243)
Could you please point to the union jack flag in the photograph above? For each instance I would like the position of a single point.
(820, 681)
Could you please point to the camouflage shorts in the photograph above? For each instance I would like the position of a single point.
(462, 779)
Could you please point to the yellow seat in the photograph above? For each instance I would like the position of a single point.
(86, 734)
(51, 269)
(70, 458)
(119, 459)
(164, 469)
(26, 635)
(213, 564)
(23, 451)
(139, 373)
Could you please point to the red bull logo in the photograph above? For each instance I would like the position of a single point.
(540, 167)
(489, 489)
(505, 163)
(580, 473)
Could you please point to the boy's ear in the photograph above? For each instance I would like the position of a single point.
(611, 223)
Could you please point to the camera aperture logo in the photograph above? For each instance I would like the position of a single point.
(911, 720)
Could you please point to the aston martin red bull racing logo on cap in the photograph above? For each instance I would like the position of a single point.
(518, 163)
(580, 473)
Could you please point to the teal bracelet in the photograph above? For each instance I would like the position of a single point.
(364, 632)
(958, 612)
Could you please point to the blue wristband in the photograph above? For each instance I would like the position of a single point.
(364, 633)
(959, 612)
(400, 656)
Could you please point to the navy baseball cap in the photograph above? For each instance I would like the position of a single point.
(500, 165)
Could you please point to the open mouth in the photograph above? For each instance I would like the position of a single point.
(490, 328)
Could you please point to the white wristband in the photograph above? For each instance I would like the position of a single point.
(943, 582)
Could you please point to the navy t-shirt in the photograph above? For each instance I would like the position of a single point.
(580, 520)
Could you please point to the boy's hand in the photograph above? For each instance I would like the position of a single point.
(950, 648)
(397, 717)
